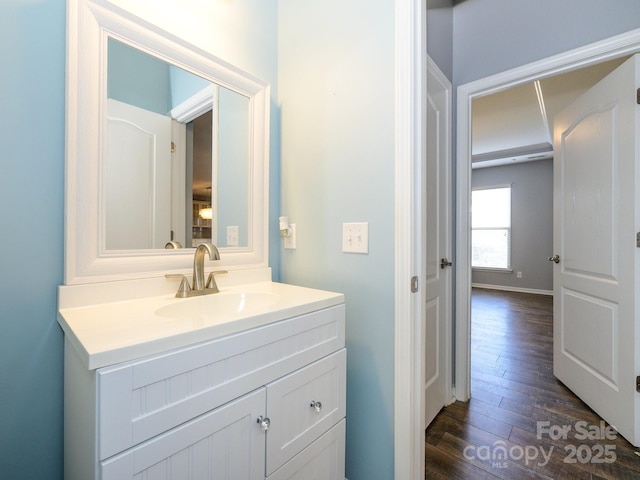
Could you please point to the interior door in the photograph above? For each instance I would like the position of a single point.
(437, 221)
(138, 172)
(596, 217)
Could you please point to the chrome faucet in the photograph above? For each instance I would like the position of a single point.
(199, 287)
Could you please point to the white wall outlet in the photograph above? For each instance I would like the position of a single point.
(290, 241)
(355, 237)
(518, 274)
(232, 236)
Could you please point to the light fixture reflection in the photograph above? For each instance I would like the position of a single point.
(206, 213)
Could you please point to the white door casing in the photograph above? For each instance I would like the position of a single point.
(436, 226)
(138, 173)
(596, 217)
(410, 138)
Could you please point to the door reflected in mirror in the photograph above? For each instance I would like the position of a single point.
(177, 156)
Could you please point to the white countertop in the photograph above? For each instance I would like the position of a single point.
(116, 331)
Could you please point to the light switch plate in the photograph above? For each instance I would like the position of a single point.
(355, 237)
(290, 241)
(232, 236)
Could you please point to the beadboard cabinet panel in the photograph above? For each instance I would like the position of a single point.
(141, 399)
(225, 443)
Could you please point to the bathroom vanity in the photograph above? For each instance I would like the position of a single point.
(244, 384)
(162, 388)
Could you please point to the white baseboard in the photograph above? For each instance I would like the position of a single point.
(505, 288)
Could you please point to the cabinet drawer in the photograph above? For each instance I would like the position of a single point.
(304, 405)
(141, 399)
(323, 459)
(223, 444)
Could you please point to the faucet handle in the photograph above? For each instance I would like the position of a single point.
(211, 281)
(184, 288)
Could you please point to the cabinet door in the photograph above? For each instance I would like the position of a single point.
(322, 460)
(304, 405)
(224, 444)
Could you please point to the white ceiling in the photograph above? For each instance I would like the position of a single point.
(516, 125)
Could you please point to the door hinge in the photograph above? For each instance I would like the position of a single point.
(638, 96)
(173, 147)
(414, 284)
(638, 384)
(638, 239)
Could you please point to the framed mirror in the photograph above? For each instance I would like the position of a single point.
(166, 145)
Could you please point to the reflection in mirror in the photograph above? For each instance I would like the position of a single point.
(177, 156)
(200, 152)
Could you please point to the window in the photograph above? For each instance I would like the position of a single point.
(491, 228)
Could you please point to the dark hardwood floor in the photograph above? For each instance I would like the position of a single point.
(513, 426)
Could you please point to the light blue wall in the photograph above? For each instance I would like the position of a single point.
(336, 82)
(144, 81)
(32, 53)
(531, 223)
(184, 85)
(138, 79)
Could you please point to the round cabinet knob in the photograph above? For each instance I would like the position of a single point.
(555, 259)
(264, 423)
(317, 406)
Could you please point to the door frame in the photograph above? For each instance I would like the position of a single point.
(410, 150)
(598, 52)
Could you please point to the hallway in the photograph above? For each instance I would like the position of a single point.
(521, 422)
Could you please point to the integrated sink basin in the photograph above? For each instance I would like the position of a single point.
(218, 304)
(109, 323)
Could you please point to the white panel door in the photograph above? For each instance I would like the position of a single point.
(596, 217)
(138, 173)
(436, 205)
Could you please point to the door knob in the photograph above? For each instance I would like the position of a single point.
(555, 259)
(445, 263)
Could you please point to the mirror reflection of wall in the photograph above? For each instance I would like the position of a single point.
(233, 168)
(150, 147)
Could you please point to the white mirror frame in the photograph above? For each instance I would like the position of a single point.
(89, 25)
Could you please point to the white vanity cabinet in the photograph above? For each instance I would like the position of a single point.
(268, 402)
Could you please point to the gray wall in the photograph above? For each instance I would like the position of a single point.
(440, 35)
(491, 36)
(531, 223)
